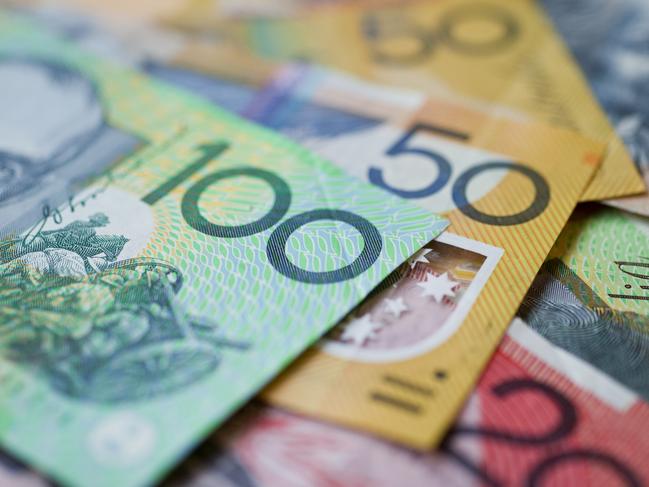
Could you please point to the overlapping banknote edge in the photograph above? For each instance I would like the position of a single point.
(617, 27)
(470, 454)
(277, 397)
(185, 50)
(199, 61)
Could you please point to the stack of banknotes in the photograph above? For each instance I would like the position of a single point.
(324, 243)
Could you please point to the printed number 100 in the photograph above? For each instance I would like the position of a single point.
(276, 247)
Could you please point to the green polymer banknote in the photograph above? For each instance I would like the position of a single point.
(164, 260)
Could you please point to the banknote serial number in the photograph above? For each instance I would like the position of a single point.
(276, 246)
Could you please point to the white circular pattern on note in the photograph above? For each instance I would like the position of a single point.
(122, 439)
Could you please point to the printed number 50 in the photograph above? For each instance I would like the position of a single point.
(444, 170)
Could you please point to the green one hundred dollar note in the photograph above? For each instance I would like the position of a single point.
(148, 304)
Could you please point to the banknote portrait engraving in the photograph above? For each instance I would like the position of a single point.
(53, 136)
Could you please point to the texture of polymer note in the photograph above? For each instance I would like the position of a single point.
(497, 52)
(402, 363)
(349, 122)
(139, 313)
(616, 69)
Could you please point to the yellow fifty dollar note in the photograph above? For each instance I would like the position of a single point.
(401, 364)
(494, 51)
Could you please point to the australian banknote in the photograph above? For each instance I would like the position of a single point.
(455, 279)
(141, 309)
(497, 52)
(616, 69)
(526, 423)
